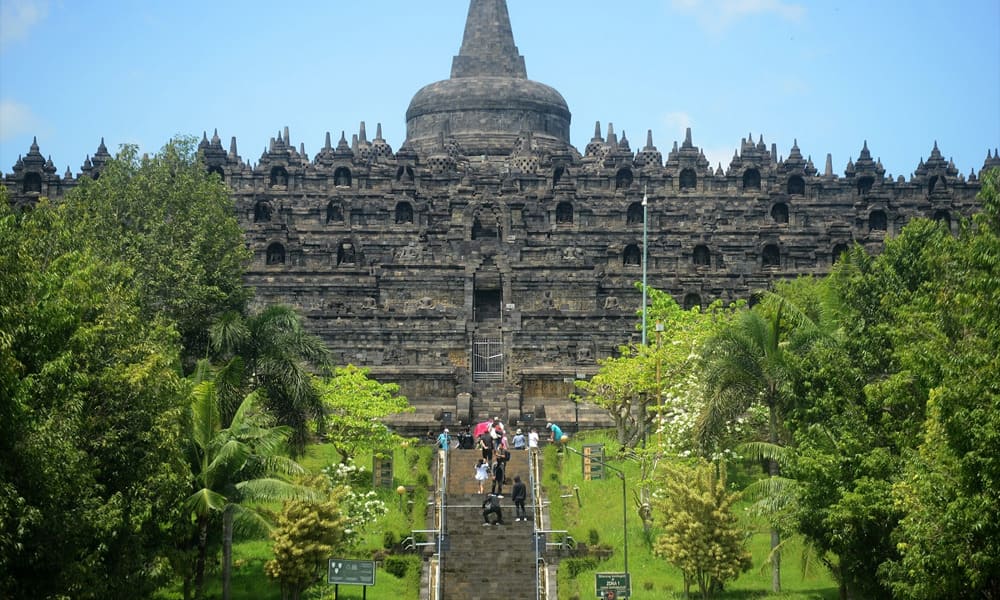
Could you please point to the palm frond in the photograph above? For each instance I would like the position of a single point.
(766, 451)
(204, 414)
(229, 334)
(250, 522)
(274, 490)
(780, 488)
(204, 501)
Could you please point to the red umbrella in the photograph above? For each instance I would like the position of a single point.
(481, 428)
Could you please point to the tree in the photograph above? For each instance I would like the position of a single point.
(88, 422)
(173, 223)
(307, 535)
(232, 468)
(270, 351)
(654, 386)
(748, 363)
(948, 538)
(890, 421)
(355, 406)
(701, 535)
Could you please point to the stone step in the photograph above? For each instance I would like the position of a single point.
(493, 561)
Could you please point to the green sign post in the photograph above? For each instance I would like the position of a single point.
(613, 586)
(351, 572)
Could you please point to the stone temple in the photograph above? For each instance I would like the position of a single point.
(487, 263)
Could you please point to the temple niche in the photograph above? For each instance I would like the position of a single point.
(487, 262)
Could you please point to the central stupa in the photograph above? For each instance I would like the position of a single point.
(489, 101)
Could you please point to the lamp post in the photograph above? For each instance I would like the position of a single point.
(645, 214)
(621, 475)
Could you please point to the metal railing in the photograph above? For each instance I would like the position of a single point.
(435, 565)
(541, 567)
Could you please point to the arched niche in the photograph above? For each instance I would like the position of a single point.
(796, 186)
(32, 183)
(688, 179)
(701, 257)
(623, 179)
(217, 170)
(346, 253)
(275, 254)
(691, 300)
(838, 251)
(279, 176)
(865, 185)
(771, 256)
(878, 221)
(334, 212)
(779, 212)
(632, 256)
(751, 180)
(342, 177)
(404, 213)
(634, 215)
(262, 211)
(564, 213)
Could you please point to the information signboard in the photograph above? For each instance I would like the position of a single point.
(351, 572)
(593, 462)
(612, 586)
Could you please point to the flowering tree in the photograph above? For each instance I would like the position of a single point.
(701, 535)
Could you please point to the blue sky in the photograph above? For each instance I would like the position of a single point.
(900, 75)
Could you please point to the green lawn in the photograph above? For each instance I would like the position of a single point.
(600, 510)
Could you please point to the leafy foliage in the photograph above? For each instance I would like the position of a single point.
(355, 406)
(232, 468)
(270, 352)
(89, 418)
(173, 225)
(701, 535)
(306, 536)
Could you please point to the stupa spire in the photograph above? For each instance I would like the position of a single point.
(488, 48)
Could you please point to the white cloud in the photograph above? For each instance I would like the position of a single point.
(717, 16)
(17, 17)
(15, 120)
(677, 123)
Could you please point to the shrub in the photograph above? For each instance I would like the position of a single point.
(389, 540)
(396, 566)
(575, 566)
(593, 537)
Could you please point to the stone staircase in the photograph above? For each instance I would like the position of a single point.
(486, 563)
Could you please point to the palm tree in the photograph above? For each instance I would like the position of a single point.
(231, 468)
(748, 364)
(271, 352)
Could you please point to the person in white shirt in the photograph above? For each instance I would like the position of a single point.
(533, 440)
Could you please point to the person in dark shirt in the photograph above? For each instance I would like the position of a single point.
(491, 505)
(520, 494)
(498, 474)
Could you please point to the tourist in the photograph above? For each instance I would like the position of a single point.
(486, 445)
(491, 505)
(482, 473)
(499, 472)
(444, 440)
(465, 440)
(555, 432)
(519, 441)
(533, 439)
(520, 494)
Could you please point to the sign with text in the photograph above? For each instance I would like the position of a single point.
(612, 586)
(593, 462)
(351, 572)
